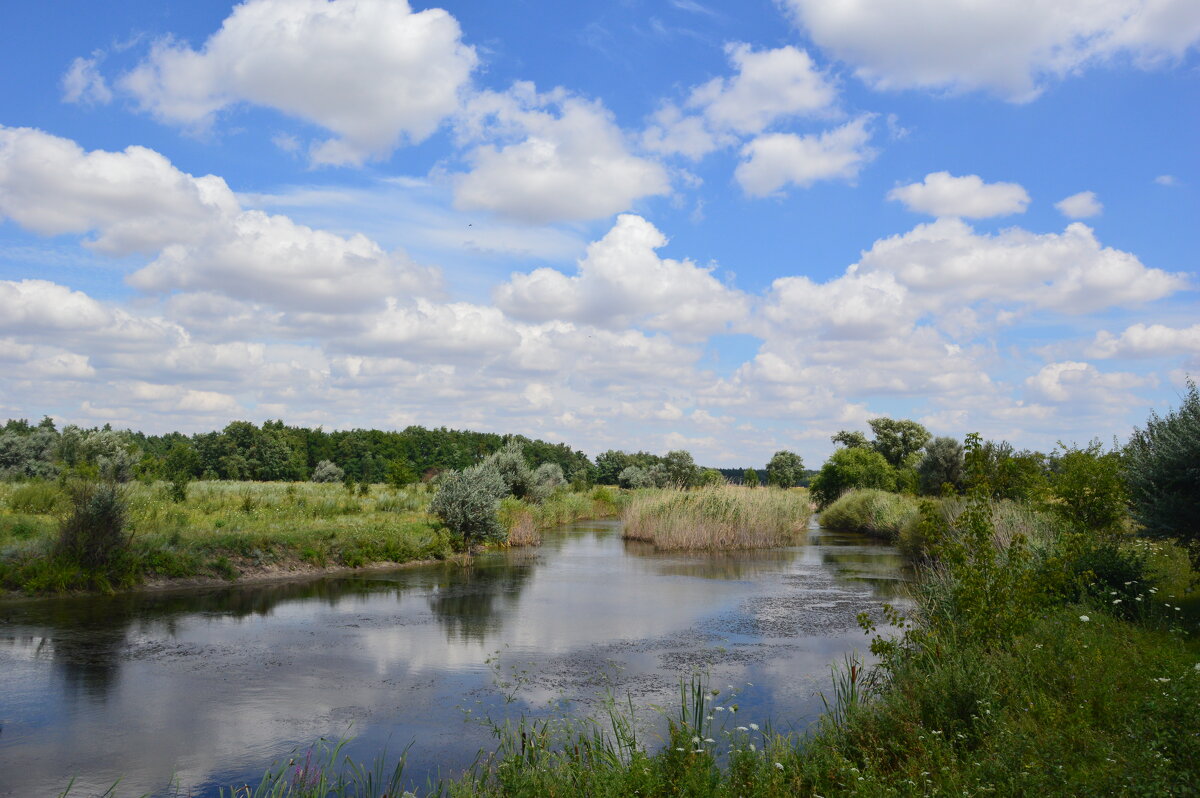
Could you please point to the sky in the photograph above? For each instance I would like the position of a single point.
(727, 227)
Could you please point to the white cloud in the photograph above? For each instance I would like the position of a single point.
(775, 160)
(1008, 46)
(568, 159)
(135, 200)
(1167, 180)
(1073, 381)
(943, 194)
(84, 84)
(1080, 206)
(768, 85)
(622, 281)
(1147, 340)
(374, 73)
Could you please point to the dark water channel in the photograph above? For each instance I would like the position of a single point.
(205, 688)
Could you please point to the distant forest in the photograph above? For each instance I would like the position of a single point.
(276, 451)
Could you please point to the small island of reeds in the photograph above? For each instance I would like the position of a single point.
(716, 518)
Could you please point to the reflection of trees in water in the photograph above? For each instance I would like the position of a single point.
(884, 568)
(469, 601)
(87, 638)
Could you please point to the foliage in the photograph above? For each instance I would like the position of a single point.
(1087, 489)
(400, 473)
(37, 498)
(784, 469)
(1162, 465)
(545, 480)
(898, 440)
(851, 439)
(710, 477)
(94, 534)
(851, 468)
(509, 462)
(27, 453)
(635, 477)
(941, 466)
(467, 502)
(1004, 473)
(681, 470)
(872, 512)
(750, 478)
(326, 471)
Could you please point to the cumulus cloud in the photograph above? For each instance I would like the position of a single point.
(943, 194)
(376, 74)
(136, 201)
(767, 86)
(1074, 381)
(1147, 340)
(775, 160)
(567, 159)
(623, 281)
(1080, 206)
(1007, 46)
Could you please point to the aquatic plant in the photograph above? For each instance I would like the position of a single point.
(872, 512)
(723, 517)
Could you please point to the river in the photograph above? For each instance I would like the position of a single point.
(202, 688)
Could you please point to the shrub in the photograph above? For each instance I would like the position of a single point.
(635, 477)
(94, 533)
(750, 478)
(851, 468)
(510, 464)
(326, 471)
(1162, 467)
(872, 512)
(468, 501)
(547, 478)
(1088, 489)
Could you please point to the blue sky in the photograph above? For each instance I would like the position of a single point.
(726, 227)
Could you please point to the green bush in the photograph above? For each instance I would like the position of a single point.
(94, 533)
(1087, 489)
(941, 465)
(327, 471)
(468, 502)
(1162, 466)
(872, 512)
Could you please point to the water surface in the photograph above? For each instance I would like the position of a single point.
(206, 687)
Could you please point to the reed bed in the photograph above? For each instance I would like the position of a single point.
(877, 513)
(717, 518)
(525, 520)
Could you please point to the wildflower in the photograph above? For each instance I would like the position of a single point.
(680, 750)
(779, 766)
(742, 728)
(752, 748)
(695, 741)
(755, 725)
(720, 709)
(709, 740)
(1084, 618)
(1116, 601)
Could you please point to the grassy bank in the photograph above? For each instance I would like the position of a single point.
(715, 518)
(877, 513)
(525, 521)
(232, 530)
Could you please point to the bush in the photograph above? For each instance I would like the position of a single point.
(468, 502)
(94, 533)
(546, 479)
(851, 468)
(1087, 489)
(1162, 467)
(635, 477)
(510, 464)
(871, 512)
(326, 471)
(784, 469)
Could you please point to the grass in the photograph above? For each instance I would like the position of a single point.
(525, 520)
(877, 513)
(224, 529)
(717, 518)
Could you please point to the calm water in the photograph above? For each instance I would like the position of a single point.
(204, 688)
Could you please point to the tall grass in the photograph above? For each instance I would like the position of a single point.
(526, 520)
(716, 518)
(872, 512)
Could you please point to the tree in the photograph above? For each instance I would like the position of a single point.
(898, 440)
(709, 478)
(851, 468)
(750, 478)
(400, 473)
(851, 439)
(1162, 467)
(784, 469)
(681, 469)
(941, 465)
(327, 471)
(635, 477)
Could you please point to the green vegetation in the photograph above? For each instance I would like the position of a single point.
(784, 469)
(55, 538)
(1162, 463)
(849, 468)
(715, 518)
(877, 513)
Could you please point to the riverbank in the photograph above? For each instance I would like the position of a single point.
(719, 518)
(226, 532)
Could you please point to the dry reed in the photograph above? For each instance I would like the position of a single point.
(715, 518)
